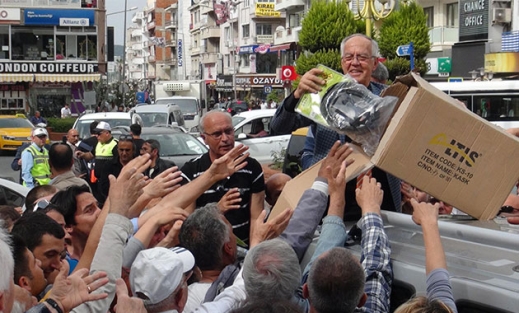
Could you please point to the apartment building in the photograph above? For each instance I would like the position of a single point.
(136, 48)
(52, 52)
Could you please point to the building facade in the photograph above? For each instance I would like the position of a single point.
(136, 48)
(52, 52)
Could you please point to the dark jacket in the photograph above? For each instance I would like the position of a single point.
(160, 166)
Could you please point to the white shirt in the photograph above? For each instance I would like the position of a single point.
(196, 295)
(228, 300)
(65, 112)
(264, 106)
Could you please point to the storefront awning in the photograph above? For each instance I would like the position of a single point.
(13, 78)
(280, 47)
(67, 78)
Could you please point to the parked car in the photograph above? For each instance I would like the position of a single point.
(12, 193)
(175, 145)
(260, 148)
(190, 107)
(237, 106)
(482, 259)
(292, 162)
(220, 107)
(14, 131)
(115, 119)
(160, 114)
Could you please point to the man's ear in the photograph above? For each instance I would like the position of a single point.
(24, 283)
(362, 300)
(306, 295)
(227, 248)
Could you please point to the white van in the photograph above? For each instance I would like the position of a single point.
(160, 114)
(190, 107)
(115, 119)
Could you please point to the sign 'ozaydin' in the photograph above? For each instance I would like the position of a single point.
(474, 19)
(48, 68)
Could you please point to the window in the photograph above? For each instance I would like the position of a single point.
(452, 15)
(266, 63)
(32, 43)
(263, 29)
(74, 47)
(294, 20)
(4, 42)
(245, 61)
(246, 3)
(246, 30)
(429, 11)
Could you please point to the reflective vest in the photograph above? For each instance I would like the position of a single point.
(40, 171)
(104, 150)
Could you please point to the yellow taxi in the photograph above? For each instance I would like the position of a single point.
(14, 131)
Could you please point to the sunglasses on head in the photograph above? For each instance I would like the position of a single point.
(41, 205)
(125, 138)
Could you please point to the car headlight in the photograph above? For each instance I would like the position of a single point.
(8, 137)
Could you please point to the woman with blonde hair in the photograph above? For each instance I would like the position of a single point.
(439, 291)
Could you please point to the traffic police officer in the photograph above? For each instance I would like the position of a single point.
(103, 152)
(35, 160)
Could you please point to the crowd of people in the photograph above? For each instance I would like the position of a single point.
(110, 226)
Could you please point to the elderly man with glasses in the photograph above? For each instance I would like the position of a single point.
(243, 193)
(359, 58)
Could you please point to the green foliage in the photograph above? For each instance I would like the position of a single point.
(328, 57)
(408, 24)
(326, 24)
(276, 95)
(60, 125)
(401, 66)
(278, 158)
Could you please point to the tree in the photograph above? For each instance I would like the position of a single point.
(324, 27)
(408, 24)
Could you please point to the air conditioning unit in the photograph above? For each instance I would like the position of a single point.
(220, 56)
(501, 15)
(228, 43)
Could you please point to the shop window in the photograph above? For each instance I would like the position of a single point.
(4, 42)
(11, 104)
(266, 63)
(32, 43)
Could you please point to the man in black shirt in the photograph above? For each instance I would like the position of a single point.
(218, 133)
(135, 131)
(158, 165)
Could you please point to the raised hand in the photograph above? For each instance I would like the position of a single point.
(337, 155)
(229, 164)
(424, 212)
(270, 229)
(165, 183)
(311, 82)
(71, 291)
(369, 196)
(125, 304)
(230, 201)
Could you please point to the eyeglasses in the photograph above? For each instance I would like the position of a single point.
(41, 205)
(362, 58)
(125, 138)
(218, 134)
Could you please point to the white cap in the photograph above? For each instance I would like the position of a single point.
(40, 132)
(158, 272)
(103, 126)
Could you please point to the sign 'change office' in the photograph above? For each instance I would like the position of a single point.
(474, 19)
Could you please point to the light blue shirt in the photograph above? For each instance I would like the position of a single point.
(27, 165)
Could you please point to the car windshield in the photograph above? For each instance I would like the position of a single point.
(15, 123)
(83, 126)
(174, 144)
(153, 119)
(187, 106)
(236, 120)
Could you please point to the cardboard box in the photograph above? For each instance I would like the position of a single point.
(437, 145)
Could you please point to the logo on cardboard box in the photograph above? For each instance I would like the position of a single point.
(456, 149)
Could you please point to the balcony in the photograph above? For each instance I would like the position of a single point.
(265, 38)
(439, 37)
(288, 5)
(136, 33)
(210, 32)
(150, 25)
(287, 36)
(151, 59)
(172, 7)
(207, 58)
(139, 16)
(170, 24)
(170, 61)
(265, 10)
(171, 43)
(195, 50)
(138, 60)
(207, 8)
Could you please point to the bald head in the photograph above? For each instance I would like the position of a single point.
(274, 186)
(208, 118)
(73, 136)
(60, 157)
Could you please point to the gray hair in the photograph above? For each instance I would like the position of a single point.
(336, 281)
(380, 73)
(202, 119)
(204, 233)
(271, 271)
(374, 44)
(6, 259)
(165, 305)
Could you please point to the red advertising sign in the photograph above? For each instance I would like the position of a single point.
(288, 72)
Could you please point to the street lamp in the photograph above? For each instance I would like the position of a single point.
(125, 11)
(369, 12)
(481, 75)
